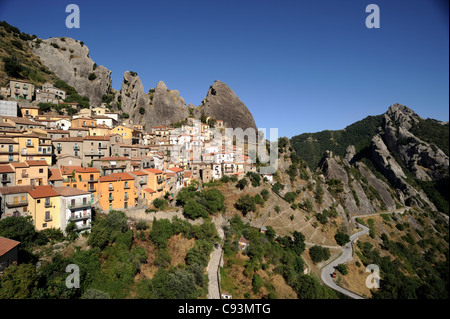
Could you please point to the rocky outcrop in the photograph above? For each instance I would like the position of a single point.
(168, 106)
(222, 103)
(425, 161)
(69, 60)
(164, 107)
(134, 100)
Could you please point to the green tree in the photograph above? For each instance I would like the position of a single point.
(245, 204)
(342, 238)
(342, 268)
(194, 210)
(18, 281)
(319, 253)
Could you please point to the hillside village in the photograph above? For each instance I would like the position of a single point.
(56, 168)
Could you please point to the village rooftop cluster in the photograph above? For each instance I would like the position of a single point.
(57, 168)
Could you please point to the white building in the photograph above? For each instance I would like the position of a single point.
(8, 108)
(76, 206)
(63, 124)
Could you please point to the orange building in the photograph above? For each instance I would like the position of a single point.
(117, 191)
(84, 178)
(157, 181)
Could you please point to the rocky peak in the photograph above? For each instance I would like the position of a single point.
(222, 103)
(69, 60)
(402, 115)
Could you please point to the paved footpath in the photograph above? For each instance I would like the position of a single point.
(214, 263)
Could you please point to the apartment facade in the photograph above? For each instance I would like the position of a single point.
(44, 207)
(117, 191)
(76, 207)
(14, 201)
(21, 90)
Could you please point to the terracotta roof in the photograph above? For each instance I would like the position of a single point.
(69, 139)
(70, 191)
(153, 170)
(43, 191)
(19, 165)
(149, 190)
(107, 178)
(22, 120)
(113, 158)
(55, 174)
(86, 170)
(138, 173)
(15, 189)
(187, 174)
(123, 176)
(36, 163)
(7, 141)
(6, 245)
(97, 138)
(6, 169)
(67, 170)
(176, 169)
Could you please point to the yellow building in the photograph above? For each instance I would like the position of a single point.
(116, 191)
(44, 207)
(9, 150)
(129, 135)
(30, 111)
(33, 147)
(31, 173)
(84, 178)
(99, 130)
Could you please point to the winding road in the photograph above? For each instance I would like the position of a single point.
(347, 255)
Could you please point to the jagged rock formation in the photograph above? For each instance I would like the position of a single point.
(222, 103)
(69, 60)
(161, 107)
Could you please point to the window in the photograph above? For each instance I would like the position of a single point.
(84, 201)
(41, 170)
(38, 201)
(48, 216)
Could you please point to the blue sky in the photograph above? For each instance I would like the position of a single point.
(299, 66)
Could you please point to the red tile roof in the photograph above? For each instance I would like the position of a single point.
(153, 170)
(138, 173)
(107, 178)
(36, 163)
(15, 189)
(149, 190)
(42, 192)
(6, 245)
(176, 169)
(70, 191)
(123, 176)
(6, 169)
(55, 174)
(86, 170)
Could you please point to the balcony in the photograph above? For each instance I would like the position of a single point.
(17, 204)
(126, 187)
(48, 218)
(92, 189)
(111, 188)
(24, 175)
(48, 204)
(59, 148)
(103, 146)
(111, 198)
(79, 206)
(76, 147)
(126, 198)
(142, 182)
(112, 166)
(78, 218)
(6, 179)
(83, 227)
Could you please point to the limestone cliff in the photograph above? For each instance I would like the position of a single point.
(69, 60)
